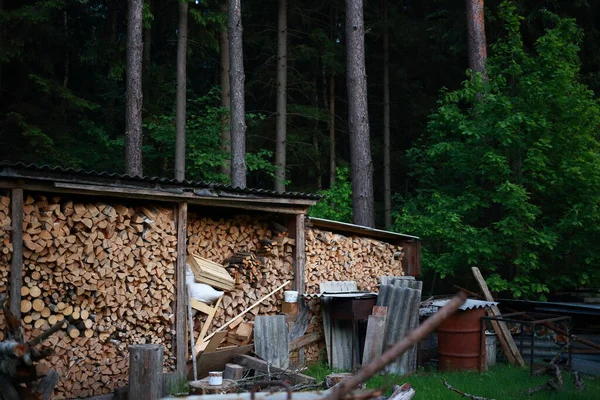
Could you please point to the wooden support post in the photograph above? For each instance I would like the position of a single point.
(145, 372)
(299, 254)
(181, 300)
(16, 263)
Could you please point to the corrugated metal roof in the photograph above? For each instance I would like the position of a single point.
(23, 170)
(358, 229)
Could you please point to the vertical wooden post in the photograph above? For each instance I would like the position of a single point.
(181, 300)
(145, 372)
(299, 254)
(16, 264)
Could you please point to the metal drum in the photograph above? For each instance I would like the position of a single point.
(460, 344)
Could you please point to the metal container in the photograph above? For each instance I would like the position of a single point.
(491, 345)
(460, 344)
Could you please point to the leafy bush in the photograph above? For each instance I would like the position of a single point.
(337, 202)
(509, 173)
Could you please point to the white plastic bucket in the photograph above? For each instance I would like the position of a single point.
(290, 296)
(215, 378)
(491, 344)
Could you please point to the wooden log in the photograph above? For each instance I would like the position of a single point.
(305, 340)
(145, 372)
(233, 371)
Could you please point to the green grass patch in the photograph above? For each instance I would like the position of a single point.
(501, 382)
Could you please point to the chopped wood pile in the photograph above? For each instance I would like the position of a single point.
(334, 257)
(110, 269)
(22, 375)
(5, 249)
(257, 253)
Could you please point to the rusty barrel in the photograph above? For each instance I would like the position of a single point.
(460, 344)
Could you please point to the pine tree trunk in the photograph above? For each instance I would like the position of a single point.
(225, 97)
(358, 117)
(280, 140)
(133, 105)
(148, 39)
(332, 166)
(476, 36)
(387, 191)
(236, 80)
(180, 117)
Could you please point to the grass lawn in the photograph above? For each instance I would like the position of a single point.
(501, 382)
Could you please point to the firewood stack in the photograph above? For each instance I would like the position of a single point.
(22, 375)
(5, 250)
(333, 257)
(236, 243)
(108, 267)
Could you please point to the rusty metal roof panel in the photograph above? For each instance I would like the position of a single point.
(69, 174)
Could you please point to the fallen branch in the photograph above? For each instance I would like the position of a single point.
(555, 382)
(463, 394)
(378, 364)
(46, 334)
(579, 385)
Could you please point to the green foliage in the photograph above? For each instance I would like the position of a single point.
(509, 172)
(337, 202)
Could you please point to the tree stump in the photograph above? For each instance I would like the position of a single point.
(145, 372)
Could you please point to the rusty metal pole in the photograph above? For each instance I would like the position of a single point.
(476, 37)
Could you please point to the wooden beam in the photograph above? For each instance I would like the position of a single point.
(181, 297)
(299, 254)
(305, 340)
(16, 263)
(506, 340)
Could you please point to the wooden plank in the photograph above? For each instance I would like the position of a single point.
(506, 340)
(210, 316)
(264, 367)
(299, 254)
(375, 334)
(16, 263)
(181, 297)
(305, 340)
(234, 319)
(214, 342)
(217, 360)
(271, 339)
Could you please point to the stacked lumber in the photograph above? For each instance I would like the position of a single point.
(5, 250)
(210, 273)
(234, 242)
(109, 268)
(334, 257)
(240, 335)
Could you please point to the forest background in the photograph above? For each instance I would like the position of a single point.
(501, 172)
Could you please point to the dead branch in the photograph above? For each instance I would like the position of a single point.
(463, 394)
(579, 385)
(46, 334)
(398, 349)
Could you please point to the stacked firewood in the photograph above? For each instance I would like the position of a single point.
(5, 249)
(109, 268)
(333, 257)
(241, 243)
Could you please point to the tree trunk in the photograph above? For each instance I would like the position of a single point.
(476, 37)
(180, 116)
(236, 79)
(358, 117)
(280, 140)
(387, 191)
(332, 166)
(225, 98)
(148, 39)
(133, 105)
(66, 27)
